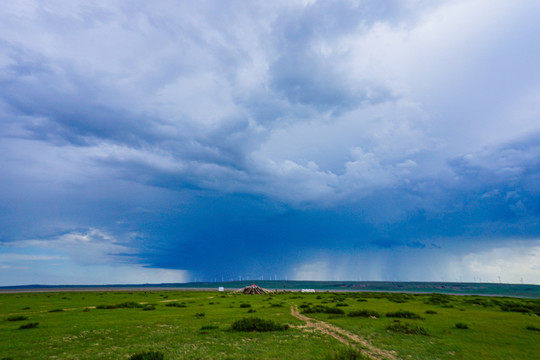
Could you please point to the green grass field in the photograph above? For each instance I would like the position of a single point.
(198, 325)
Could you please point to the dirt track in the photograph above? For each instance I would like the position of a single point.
(344, 336)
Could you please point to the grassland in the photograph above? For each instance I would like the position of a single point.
(199, 325)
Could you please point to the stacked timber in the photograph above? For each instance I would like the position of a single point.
(254, 290)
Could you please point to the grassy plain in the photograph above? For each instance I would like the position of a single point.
(116, 325)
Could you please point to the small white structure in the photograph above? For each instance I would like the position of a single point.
(308, 290)
(221, 288)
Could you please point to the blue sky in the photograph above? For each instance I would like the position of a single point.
(171, 141)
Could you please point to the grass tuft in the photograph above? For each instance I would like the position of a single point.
(398, 298)
(148, 355)
(257, 324)
(29, 326)
(176, 304)
(462, 326)
(16, 318)
(406, 328)
(323, 309)
(520, 307)
(533, 328)
(439, 299)
(124, 305)
(209, 327)
(364, 313)
(404, 314)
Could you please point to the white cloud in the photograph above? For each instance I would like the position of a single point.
(80, 257)
(191, 89)
(88, 247)
(514, 263)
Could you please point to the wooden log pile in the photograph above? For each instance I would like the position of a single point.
(254, 290)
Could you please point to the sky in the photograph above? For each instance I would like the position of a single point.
(176, 141)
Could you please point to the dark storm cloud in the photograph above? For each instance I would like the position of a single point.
(317, 139)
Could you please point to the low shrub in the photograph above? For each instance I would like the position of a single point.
(522, 307)
(399, 298)
(364, 313)
(124, 305)
(251, 311)
(16, 318)
(29, 326)
(342, 304)
(257, 324)
(106, 307)
(175, 304)
(439, 299)
(406, 328)
(347, 353)
(209, 327)
(200, 315)
(323, 309)
(276, 305)
(462, 326)
(431, 312)
(148, 307)
(244, 305)
(533, 328)
(26, 308)
(148, 355)
(86, 309)
(129, 305)
(478, 301)
(404, 314)
(361, 300)
(56, 310)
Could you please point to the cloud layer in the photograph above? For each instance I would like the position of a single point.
(299, 133)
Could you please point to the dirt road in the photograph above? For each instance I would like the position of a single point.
(344, 336)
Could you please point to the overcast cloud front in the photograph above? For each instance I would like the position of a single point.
(165, 141)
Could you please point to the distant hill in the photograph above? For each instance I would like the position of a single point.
(520, 290)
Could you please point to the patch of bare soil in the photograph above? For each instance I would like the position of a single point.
(343, 336)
